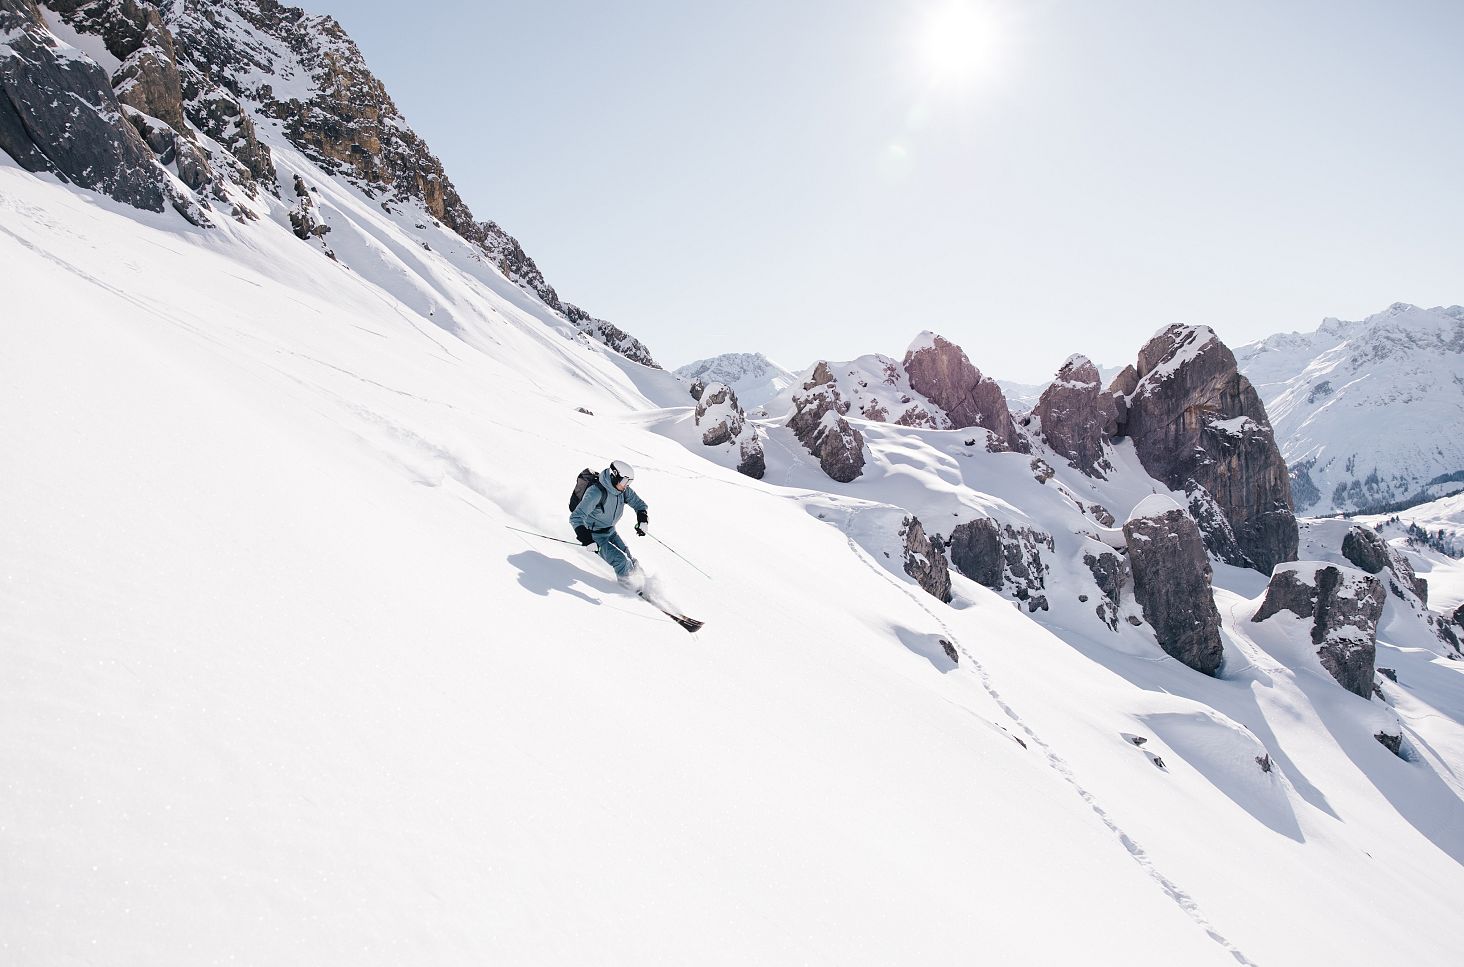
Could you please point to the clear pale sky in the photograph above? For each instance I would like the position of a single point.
(824, 179)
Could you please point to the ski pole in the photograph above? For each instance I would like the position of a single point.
(673, 551)
(545, 536)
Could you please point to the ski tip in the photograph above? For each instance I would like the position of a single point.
(690, 624)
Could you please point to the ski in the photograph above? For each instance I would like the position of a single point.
(690, 624)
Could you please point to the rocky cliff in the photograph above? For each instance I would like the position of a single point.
(1199, 426)
(939, 370)
(1076, 418)
(164, 106)
(1171, 574)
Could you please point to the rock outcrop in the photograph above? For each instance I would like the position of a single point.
(611, 335)
(1171, 573)
(1343, 606)
(1076, 417)
(1198, 425)
(1111, 573)
(925, 561)
(818, 423)
(723, 423)
(59, 114)
(939, 371)
(1366, 550)
(1004, 558)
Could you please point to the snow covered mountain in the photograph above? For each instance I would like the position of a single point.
(1437, 524)
(301, 667)
(755, 378)
(1369, 414)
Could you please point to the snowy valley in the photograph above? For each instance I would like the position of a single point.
(302, 663)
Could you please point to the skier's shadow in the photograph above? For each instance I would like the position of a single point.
(543, 575)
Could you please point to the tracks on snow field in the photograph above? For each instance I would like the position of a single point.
(1059, 765)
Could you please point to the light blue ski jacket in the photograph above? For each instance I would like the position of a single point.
(597, 517)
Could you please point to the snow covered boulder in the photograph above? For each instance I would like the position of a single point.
(720, 418)
(1198, 425)
(819, 424)
(939, 371)
(1076, 417)
(925, 561)
(1344, 606)
(718, 415)
(1171, 572)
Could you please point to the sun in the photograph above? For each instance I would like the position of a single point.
(958, 41)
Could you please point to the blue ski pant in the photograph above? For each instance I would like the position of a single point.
(614, 551)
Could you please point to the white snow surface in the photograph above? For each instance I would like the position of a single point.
(1370, 412)
(1154, 505)
(283, 686)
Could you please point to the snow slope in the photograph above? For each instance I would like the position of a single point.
(1367, 414)
(283, 685)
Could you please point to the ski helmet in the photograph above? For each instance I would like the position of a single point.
(620, 470)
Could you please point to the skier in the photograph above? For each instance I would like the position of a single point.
(598, 511)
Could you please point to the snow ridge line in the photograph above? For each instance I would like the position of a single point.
(1060, 766)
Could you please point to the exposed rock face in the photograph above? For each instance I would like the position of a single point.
(1004, 558)
(1076, 417)
(134, 32)
(818, 422)
(751, 460)
(305, 221)
(611, 335)
(1171, 572)
(925, 561)
(190, 66)
(940, 371)
(1343, 605)
(1198, 425)
(1110, 572)
(975, 549)
(1365, 549)
(722, 422)
(1458, 617)
(58, 114)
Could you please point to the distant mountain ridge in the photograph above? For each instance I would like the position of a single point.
(1368, 413)
(753, 377)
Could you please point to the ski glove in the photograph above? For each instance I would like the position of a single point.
(583, 533)
(642, 523)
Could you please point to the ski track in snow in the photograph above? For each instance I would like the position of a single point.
(1059, 765)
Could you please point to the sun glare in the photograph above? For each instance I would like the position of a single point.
(958, 42)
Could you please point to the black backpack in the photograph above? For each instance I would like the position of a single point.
(587, 478)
